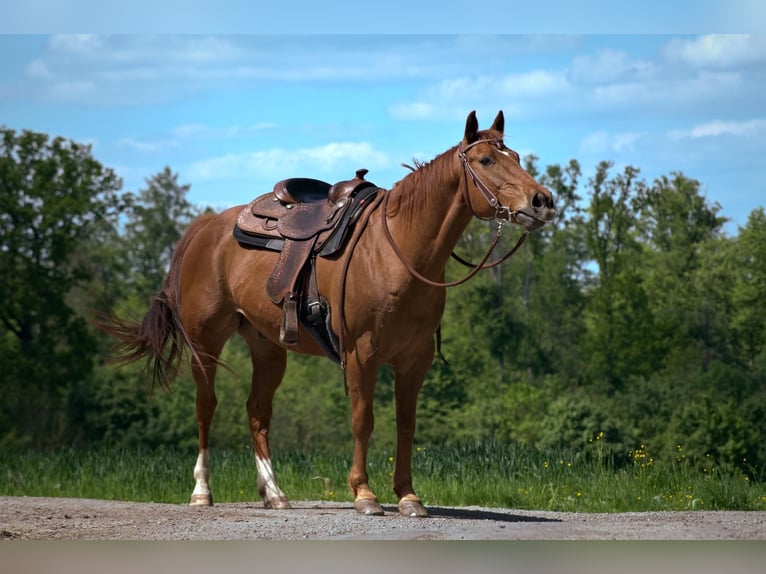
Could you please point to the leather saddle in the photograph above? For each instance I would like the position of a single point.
(303, 218)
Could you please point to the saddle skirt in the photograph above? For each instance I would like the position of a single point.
(303, 218)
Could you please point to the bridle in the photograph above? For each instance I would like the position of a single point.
(488, 196)
(502, 216)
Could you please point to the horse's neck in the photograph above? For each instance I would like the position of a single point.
(427, 227)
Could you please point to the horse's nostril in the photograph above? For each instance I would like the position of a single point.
(538, 200)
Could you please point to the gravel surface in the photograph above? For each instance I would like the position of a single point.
(31, 518)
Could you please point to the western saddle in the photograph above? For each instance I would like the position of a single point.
(303, 218)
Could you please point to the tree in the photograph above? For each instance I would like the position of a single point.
(750, 286)
(681, 231)
(618, 339)
(53, 195)
(556, 274)
(156, 220)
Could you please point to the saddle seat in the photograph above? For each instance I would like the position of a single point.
(303, 218)
(301, 190)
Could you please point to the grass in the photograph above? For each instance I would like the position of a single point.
(509, 476)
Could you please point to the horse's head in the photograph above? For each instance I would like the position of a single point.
(496, 183)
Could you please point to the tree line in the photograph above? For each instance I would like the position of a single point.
(633, 318)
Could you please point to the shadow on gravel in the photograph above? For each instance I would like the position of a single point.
(474, 514)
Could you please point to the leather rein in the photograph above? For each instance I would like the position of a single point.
(502, 216)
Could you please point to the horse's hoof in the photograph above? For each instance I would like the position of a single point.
(277, 503)
(412, 508)
(368, 507)
(201, 500)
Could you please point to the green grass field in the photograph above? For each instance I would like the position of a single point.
(504, 476)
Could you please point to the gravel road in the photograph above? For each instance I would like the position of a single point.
(30, 518)
(56, 536)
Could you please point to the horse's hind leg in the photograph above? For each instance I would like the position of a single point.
(269, 363)
(210, 337)
(204, 377)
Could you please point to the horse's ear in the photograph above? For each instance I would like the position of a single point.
(471, 128)
(499, 123)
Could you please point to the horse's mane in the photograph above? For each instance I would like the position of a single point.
(413, 193)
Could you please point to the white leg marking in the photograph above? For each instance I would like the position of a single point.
(266, 475)
(202, 474)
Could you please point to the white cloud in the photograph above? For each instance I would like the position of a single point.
(333, 154)
(82, 44)
(147, 146)
(521, 86)
(177, 136)
(417, 110)
(702, 86)
(602, 142)
(208, 49)
(718, 50)
(71, 90)
(188, 130)
(261, 126)
(133, 74)
(534, 84)
(151, 49)
(135, 68)
(721, 128)
(277, 162)
(608, 66)
(38, 69)
(449, 99)
(607, 81)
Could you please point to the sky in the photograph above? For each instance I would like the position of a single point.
(234, 113)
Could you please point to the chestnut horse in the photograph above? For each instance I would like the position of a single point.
(392, 305)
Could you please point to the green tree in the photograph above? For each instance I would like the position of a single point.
(680, 229)
(159, 214)
(53, 196)
(750, 286)
(618, 337)
(556, 274)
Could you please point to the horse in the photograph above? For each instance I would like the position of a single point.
(387, 285)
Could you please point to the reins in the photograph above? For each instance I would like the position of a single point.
(344, 273)
(476, 268)
(502, 216)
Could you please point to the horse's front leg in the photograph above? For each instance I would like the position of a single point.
(361, 391)
(408, 380)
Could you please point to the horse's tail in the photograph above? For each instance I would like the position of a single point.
(160, 336)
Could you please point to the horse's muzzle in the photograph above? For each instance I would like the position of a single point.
(532, 220)
(540, 211)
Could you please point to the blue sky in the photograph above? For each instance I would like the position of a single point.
(232, 114)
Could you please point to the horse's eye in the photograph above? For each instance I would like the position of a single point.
(486, 161)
